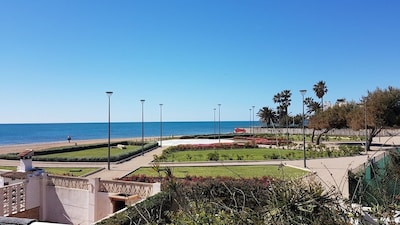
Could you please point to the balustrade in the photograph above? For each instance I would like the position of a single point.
(68, 182)
(144, 190)
(12, 199)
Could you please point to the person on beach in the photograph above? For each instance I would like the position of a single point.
(69, 139)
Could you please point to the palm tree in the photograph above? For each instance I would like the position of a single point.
(283, 100)
(312, 108)
(266, 115)
(320, 90)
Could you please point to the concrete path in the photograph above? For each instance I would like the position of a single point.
(122, 169)
(331, 171)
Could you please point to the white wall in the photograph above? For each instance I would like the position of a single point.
(33, 193)
(67, 205)
(103, 207)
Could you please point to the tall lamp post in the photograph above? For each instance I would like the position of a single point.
(366, 127)
(303, 92)
(214, 123)
(142, 127)
(219, 123)
(161, 125)
(109, 93)
(364, 104)
(253, 121)
(250, 121)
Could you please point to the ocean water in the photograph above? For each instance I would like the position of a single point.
(11, 134)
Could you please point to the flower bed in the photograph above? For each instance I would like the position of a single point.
(268, 141)
(233, 145)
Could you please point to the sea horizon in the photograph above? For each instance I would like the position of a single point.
(31, 133)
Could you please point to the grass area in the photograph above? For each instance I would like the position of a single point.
(66, 171)
(92, 153)
(233, 154)
(8, 168)
(228, 171)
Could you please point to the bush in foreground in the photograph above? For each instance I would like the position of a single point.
(238, 201)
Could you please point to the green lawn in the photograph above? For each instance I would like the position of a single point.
(68, 171)
(234, 154)
(92, 153)
(228, 171)
(8, 168)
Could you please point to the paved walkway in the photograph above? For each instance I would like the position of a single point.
(332, 171)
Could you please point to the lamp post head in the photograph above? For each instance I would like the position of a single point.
(142, 100)
(303, 92)
(109, 93)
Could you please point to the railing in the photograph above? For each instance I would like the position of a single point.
(68, 182)
(144, 190)
(362, 167)
(12, 199)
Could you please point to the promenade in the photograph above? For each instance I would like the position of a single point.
(331, 171)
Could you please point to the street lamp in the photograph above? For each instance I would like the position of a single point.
(253, 120)
(214, 123)
(303, 92)
(161, 125)
(287, 125)
(219, 123)
(250, 122)
(365, 124)
(109, 93)
(142, 127)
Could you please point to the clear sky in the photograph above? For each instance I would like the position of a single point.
(58, 58)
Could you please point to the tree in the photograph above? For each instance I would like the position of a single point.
(283, 99)
(312, 108)
(320, 90)
(266, 115)
(332, 118)
(377, 110)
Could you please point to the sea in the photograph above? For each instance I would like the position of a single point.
(31, 133)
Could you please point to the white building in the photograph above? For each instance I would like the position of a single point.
(63, 199)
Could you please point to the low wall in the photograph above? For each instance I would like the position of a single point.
(83, 201)
(68, 200)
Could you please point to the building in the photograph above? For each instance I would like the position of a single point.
(31, 193)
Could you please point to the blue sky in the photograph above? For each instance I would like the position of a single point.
(58, 58)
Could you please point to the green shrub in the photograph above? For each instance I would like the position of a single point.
(213, 156)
